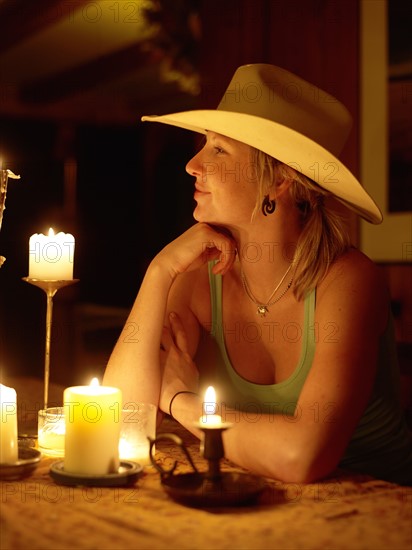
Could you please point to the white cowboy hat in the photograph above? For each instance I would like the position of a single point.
(291, 120)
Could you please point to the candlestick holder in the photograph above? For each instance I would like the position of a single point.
(50, 287)
(212, 488)
(4, 176)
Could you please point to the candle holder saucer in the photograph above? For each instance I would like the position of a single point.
(127, 474)
(213, 488)
(27, 462)
(50, 286)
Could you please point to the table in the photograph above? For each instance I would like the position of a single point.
(345, 511)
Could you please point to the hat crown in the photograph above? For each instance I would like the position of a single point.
(275, 94)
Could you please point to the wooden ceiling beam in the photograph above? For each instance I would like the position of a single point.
(21, 19)
(87, 76)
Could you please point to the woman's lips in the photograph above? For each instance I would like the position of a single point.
(199, 193)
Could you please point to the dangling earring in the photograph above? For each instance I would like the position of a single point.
(268, 206)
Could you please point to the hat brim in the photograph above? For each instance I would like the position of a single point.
(290, 147)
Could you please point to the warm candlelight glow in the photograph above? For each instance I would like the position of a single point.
(92, 429)
(209, 417)
(137, 424)
(125, 449)
(8, 425)
(210, 401)
(51, 256)
(51, 431)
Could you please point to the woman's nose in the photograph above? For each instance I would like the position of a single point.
(194, 166)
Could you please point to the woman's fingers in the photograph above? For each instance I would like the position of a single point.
(166, 339)
(197, 246)
(226, 259)
(175, 335)
(179, 371)
(178, 331)
(226, 246)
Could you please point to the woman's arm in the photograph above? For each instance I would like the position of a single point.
(309, 446)
(134, 365)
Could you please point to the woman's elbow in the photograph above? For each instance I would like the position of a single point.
(300, 466)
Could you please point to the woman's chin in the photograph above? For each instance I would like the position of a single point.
(205, 219)
(200, 216)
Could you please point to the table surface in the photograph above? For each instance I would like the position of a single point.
(345, 511)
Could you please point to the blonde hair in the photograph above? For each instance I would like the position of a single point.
(324, 236)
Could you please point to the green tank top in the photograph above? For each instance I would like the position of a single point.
(381, 444)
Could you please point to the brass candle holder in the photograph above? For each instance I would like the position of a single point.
(4, 176)
(213, 488)
(50, 287)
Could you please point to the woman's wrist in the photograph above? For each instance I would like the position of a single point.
(174, 398)
(159, 270)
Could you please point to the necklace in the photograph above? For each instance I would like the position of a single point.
(262, 309)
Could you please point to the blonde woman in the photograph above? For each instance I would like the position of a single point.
(265, 298)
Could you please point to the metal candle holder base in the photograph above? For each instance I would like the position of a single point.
(213, 488)
(50, 287)
(27, 461)
(127, 474)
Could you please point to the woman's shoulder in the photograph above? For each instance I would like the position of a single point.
(354, 267)
(354, 280)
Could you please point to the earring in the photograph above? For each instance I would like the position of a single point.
(268, 206)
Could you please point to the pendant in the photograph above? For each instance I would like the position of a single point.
(262, 310)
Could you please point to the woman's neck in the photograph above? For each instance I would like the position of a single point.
(265, 253)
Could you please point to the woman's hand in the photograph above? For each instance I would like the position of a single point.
(179, 371)
(197, 246)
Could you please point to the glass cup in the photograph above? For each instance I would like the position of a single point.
(51, 431)
(138, 423)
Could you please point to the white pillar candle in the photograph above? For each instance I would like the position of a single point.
(92, 415)
(51, 256)
(209, 419)
(8, 425)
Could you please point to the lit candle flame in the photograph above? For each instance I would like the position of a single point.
(210, 418)
(209, 405)
(51, 232)
(94, 383)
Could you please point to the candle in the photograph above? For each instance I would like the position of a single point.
(8, 425)
(51, 431)
(92, 416)
(51, 257)
(209, 419)
(138, 423)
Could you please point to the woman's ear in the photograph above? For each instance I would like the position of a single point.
(282, 185)
(276, 191)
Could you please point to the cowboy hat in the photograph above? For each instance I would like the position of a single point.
(291, 120)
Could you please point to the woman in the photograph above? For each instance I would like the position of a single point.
(265, 298)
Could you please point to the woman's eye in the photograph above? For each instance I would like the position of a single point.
(219, 150)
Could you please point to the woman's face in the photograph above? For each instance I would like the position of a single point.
(226, 185)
